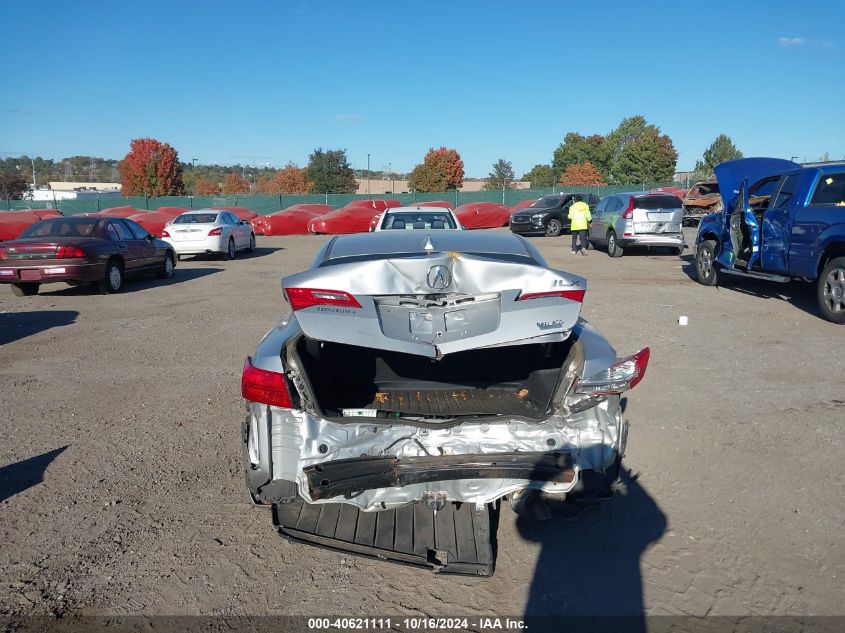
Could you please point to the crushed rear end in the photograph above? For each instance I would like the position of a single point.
(434, 382)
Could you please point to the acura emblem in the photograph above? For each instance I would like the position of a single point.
(438, 277)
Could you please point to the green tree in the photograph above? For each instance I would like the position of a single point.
(13, 185)
(577, 149)
(501, 177)
(540, 176)
(330, 172)
(720, 150)
(640, 153)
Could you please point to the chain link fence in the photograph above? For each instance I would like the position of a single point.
(264, 204)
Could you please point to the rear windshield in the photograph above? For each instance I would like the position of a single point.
(830, 190)
(419, 220)
(62, 227)
(196, 218)
(662, 201)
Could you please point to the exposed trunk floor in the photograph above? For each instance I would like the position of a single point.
(499, 400)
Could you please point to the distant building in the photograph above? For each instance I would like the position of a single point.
(75, 190)
(85, 186)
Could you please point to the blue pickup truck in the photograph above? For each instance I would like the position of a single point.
(781, 222)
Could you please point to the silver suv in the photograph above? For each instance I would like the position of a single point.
(638, 219)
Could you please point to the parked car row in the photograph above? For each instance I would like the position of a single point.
(105, 249)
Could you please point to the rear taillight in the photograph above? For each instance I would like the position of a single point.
(621, 376)
(300, 298)
(573, 295)
(264, 387)
(70, 252)
(629, 212)
(3, 253)
(164, 233)
(217, 231)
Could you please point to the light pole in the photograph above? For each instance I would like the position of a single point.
(368, 176)
(390, 175)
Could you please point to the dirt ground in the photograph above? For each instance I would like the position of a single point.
(121, 489)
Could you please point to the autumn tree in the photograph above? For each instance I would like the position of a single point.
(579, 149)
(290, 179)
(501, 176)
(581, 174)
(235, 183)
(441, 170)
(640, 153)
(206, 187)
(12, 185)
(151, 168)
(720, 150)
(330, 172)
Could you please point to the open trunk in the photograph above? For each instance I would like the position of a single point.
(353, 381)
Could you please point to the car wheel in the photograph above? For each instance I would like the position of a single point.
(166, 271)
(554, 228)
(251, 247)
(113, 280)
(706, 268)
(613, 248)
(230, 251)
(25, 289)
(831, 290)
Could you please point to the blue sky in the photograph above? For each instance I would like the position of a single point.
(267, 82)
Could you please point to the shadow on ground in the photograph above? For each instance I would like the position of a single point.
(143, 281)
(588, 574)
(26, 473)
(18, 325)
(799, 294)
(260, 251)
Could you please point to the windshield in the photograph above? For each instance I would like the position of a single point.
(547, 201)
(196, 218)
(662, 201)
(418, 220)
(62, 227)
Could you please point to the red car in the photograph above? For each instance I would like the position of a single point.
(99, 250)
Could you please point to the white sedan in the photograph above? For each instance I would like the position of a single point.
(209, 231)
(420, 217)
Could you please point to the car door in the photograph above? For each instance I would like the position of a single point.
(731, 237)
(151, 256)
(243, 231)
(232, 227)
(777, 225)
(125, 244)
(596, 232)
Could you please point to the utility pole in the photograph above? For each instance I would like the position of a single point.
(34, 186)
(368, 175)
(390, 175)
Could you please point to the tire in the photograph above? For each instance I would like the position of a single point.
(251, 247)
(831, 290)
(706, 268)
(613, 248)
(113, 280)
(231, 251)
(554, 228)
(167, 268)
(27, 289)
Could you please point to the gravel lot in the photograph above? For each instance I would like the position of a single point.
(128, 407)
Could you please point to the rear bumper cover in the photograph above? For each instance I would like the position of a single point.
(56, 270)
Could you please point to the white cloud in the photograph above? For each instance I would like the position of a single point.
(350, 118)
(791, 41)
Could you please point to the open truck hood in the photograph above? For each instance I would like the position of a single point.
(439, 303)
(730, 174)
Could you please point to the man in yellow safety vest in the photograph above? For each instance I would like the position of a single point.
(579, 218)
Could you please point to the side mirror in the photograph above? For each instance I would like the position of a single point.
(151, 237)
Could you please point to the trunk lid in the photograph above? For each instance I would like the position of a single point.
(189, 232)
(657, 213)
(436, 304)
(31, 250)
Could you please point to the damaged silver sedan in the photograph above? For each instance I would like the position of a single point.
(420, 379)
